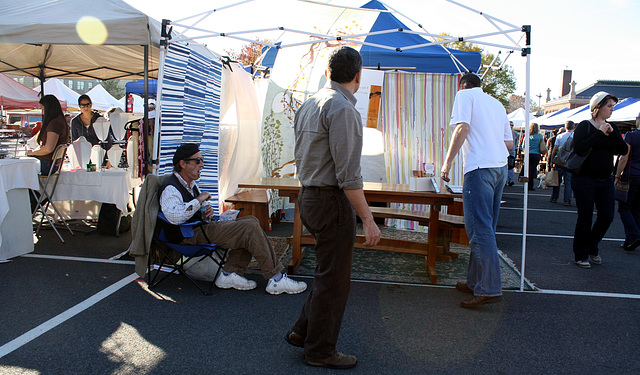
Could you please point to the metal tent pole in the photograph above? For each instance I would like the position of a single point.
(526, 52)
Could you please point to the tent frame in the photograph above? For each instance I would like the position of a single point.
(505, 30)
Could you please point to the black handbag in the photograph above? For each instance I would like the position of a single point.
(511, 161)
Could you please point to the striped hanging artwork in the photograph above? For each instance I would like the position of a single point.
(416, 108)
(190, 113)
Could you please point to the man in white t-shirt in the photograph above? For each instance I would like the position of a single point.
(483, 133)
(562, 174)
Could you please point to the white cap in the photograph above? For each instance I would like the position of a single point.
(596, 99)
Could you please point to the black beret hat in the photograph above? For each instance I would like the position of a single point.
(185, 151)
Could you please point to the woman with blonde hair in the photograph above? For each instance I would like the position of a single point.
(593, 184)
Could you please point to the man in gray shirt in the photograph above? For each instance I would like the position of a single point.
(328, 133)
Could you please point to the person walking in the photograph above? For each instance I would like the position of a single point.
(535, 153)
(629, 171)
(563, 175)
(482, 132)
(328, 136)
(593, 184)
(512, 153)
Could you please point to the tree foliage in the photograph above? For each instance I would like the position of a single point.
(249, 53)
(113, 87)
(499, 83)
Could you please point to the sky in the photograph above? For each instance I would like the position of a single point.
(595, 39)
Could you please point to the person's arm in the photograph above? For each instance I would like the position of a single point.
(622, 162)
(359, 203)
(175, 209)
(459, 136)
(48, 147)
(554, 150)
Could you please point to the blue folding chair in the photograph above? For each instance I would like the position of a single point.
(165, 260)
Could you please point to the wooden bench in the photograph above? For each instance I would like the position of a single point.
(254, 202)
(447, 224)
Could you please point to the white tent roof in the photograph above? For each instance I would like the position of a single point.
(518, 117)
(35, 33)
(561, 118)
(55, 87)
(102, 100)
(628, 113)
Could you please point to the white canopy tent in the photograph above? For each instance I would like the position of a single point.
(628, 113)
(102, 100)
(502, 36)
(107, 39)
(518, 118)
(55, 87)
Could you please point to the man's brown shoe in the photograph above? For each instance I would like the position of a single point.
(339, 361)
(478, 301)
(463, 287)
(294, 339)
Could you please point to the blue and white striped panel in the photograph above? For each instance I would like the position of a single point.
(191, 112)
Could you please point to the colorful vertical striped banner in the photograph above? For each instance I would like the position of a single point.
(416, 108)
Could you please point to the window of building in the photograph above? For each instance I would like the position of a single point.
(80, 85)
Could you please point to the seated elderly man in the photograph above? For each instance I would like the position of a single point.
(180, 201)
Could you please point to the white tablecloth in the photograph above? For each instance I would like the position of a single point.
(111, 186)
(16, 176)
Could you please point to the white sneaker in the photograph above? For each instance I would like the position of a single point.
(285, 285)
(595, 259)
(235, 281)
(583, 263)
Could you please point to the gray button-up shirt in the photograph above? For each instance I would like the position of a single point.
(328, 132)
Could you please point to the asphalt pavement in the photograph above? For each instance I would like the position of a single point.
(72, 309)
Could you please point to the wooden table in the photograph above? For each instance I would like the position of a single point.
(374, 192)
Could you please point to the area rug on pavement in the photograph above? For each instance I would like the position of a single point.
(407, 268)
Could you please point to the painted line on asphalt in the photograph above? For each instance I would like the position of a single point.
(538, 291)
(538, 209)
(588, 294)
(552, 236)
(64, 316)
(79, 259)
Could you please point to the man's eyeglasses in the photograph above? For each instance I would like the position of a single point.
(197, 160)
(84, 105)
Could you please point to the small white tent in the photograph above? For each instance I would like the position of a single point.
(102, 100)
(55, 87)
(518, 118)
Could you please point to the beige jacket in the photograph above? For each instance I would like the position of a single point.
(144, 221)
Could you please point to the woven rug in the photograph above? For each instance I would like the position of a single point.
(381, 265)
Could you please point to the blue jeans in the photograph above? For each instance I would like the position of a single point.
(630, 212)
(590, 191)
(567, 185)
(482, 192)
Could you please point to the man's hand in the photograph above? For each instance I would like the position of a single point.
(204, 196)
(444, 172)
(371, 232)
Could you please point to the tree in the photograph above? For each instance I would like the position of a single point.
(113, 87)
(249, 53)
(499, 83)
(517, 101)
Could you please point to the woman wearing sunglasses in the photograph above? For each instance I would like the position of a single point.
(82, 125)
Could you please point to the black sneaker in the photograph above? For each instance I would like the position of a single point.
(553, 200)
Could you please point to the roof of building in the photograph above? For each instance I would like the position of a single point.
(620, 89)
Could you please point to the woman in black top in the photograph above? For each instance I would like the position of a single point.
(593, 185)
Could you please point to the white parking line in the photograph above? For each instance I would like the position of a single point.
(64, 316)
(551, 236)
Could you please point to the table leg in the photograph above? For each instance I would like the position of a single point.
(296, 248)
(434, 216)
